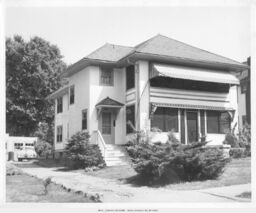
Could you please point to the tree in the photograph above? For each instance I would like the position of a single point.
(32, 73)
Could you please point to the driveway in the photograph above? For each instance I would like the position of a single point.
(110, 191)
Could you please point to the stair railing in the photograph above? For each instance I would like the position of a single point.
(100, 142)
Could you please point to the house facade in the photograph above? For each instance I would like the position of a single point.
(159, 84)
(244, 96)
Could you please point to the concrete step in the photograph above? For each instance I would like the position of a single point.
(115, 163)
(114, 154)
(115, 158)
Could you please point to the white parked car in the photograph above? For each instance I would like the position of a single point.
(27, 153)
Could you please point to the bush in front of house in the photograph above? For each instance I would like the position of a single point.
(238, 152)
(81, 153)
(175, 162)
(240, 143)
(43, 148)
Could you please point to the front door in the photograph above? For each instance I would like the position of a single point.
(192, 130)
(107, 127)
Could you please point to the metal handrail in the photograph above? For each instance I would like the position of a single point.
(100, 142)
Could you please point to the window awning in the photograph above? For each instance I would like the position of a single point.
(192, 106)
(194, 74)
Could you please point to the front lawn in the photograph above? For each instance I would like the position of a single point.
(24, 188)
(238, 171)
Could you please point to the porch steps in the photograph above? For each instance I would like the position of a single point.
(115, 156)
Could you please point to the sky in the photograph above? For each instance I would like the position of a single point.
(78, 31)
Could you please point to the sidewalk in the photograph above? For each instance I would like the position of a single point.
(111, 191)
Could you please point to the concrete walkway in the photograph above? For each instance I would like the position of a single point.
(111, 191)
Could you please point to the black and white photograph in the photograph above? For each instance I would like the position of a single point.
(127, 103)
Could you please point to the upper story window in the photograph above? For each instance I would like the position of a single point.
(107, 77)
(165, 119)
(84, 119)
(130, 77)
(59, 133)
(130, 119)
(59, 105)
(218, 122)
(72, 95)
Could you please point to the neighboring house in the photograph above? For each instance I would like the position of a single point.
(159, 83)
(244, 96)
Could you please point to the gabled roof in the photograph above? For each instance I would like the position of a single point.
(109, 102)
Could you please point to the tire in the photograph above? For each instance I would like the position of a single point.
(19, 159)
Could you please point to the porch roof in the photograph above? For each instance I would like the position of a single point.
(108, 102)
(193, 74)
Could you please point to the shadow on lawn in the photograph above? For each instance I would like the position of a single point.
(139, 180)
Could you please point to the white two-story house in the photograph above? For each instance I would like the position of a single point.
(159, 83)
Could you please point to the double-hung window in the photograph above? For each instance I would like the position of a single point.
(59, 133)
(107, 77)
(84, 119)
(218, 122)
(72, 95)
(130, 77)
(130, 119)
(59, 105)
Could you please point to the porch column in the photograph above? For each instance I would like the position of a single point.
(142, 87)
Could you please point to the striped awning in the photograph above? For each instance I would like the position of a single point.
(192, 106)
(194, 74)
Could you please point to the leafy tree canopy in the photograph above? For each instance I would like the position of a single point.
(32, 73)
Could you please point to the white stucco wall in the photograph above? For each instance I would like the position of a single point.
(241, 106)
(82, 90)
(61, 119)
(99, 92)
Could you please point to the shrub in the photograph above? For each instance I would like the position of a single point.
(238, 152)
(82, 153)
(46, 183)
(173, 162)
(43, 148)
(244, 136)
(240, 140)
(232, 140)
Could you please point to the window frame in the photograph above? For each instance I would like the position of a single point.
(84, 111)
(72, 95)
(126, 75)
(219, 127)
(106, 70)
(60, 105)
(59, 135)
(164, 120)
(128, 128)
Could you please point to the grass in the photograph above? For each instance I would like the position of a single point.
(115, 173)
(238, 171)
(24, 188)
